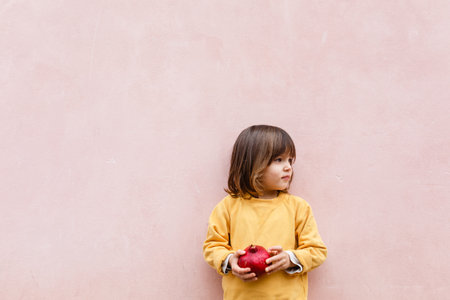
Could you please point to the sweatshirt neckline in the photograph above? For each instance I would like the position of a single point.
(272, 200)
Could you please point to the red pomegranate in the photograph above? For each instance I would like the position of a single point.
(254, 258)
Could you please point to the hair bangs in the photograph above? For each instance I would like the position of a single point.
(283, 144)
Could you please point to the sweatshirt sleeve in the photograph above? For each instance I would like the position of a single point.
(217, 247)
(311, 250)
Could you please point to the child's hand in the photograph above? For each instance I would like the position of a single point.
(280, 260)
(242, 273)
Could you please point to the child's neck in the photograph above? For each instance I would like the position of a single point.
(269, 195)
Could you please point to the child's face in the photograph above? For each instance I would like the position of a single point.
(277, 175)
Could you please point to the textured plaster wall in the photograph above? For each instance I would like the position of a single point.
(117, 120)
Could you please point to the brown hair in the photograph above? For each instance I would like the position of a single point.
(253, 151)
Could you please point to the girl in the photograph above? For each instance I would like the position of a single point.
(260, 211)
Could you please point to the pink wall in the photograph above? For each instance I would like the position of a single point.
(117, 120)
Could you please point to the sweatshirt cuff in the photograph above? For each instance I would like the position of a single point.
(298, 268)
(225, 268)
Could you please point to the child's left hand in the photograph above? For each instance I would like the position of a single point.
(280, 260)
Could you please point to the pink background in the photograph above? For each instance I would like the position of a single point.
(117, 121)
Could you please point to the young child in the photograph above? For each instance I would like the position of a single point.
(260, 211)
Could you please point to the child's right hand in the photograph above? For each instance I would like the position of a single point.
(242, 273)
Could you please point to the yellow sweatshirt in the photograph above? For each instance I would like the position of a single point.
(285, 221)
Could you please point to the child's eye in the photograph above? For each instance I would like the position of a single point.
(278, 159)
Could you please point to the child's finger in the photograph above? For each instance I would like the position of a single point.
(241, 271)
(271, 265)
(250, 276)
(276, 248)
(244, 274)
(273, 259)
(274, 267)
(235, 256)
